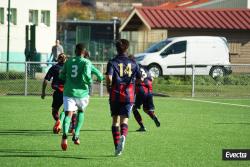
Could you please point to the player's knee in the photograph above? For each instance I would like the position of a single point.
(69, 113)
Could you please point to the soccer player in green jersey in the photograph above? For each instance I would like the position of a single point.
(99, 76)
(77, 76)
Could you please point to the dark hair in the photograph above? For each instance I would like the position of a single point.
(131, 57)
(61, 55)
(122, 46)
(79, 48)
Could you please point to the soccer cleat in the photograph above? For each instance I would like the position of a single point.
(120, 146)
(64, 143)
(118, 152)
(122, 142)
(141, 129)
(157, 122)
(76, 140)
(57, 127)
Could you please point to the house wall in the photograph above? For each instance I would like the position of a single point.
(45, 35)
(142, 39)
(239, 42)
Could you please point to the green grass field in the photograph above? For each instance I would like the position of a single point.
(192, 133)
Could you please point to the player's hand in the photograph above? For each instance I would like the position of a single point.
(43, 96)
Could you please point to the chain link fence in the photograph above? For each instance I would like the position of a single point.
(223, 84)
(25, 78)
(100, 51)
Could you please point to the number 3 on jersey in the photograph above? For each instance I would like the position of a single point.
(74, 71)
(143, 74)
(126, 71)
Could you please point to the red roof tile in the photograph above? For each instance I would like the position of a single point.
(158, 18)
(182, 4)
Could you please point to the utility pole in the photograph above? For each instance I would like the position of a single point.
(115, 19)
(8, 37)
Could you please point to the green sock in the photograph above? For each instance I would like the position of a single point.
(66, 124)
(80, 120)
(62, 116)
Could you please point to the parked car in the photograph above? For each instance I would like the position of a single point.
(175, 56)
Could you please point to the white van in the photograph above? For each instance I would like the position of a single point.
(175, 56)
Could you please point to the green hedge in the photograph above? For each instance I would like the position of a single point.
(242, 79)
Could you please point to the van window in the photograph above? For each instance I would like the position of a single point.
(175, 48)
(157, 47)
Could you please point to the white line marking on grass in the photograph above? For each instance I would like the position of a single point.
(231, 104)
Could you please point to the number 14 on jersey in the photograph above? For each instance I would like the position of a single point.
(126, 71)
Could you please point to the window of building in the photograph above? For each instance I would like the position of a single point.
(1, 15)
(13, 16)
(33, 17)
(45, 17)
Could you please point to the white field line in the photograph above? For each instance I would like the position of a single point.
(230, 104)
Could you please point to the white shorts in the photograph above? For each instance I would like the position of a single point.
(75, 104)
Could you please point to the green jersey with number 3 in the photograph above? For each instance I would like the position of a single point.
(77, 75)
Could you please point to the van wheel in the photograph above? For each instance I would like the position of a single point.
(155, 70)
(217, 72)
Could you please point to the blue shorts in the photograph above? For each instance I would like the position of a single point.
(123, 109)
(146, 100)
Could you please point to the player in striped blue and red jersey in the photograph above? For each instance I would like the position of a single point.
(121, 76)
(144, 96)
(57, 86)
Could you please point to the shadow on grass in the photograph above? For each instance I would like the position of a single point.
(95, 130)
(28, 132)
(232, 123)
(8, 153)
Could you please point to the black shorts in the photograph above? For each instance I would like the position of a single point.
(57, 99)
(123, 109)
(146, 100)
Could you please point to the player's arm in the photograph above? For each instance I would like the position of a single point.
(138, 75)
(45, 83)
(97, 73)
(47, 78)
(109, 82)
(87, 72)
(109, 75)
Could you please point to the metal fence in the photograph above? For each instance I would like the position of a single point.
(25, 78)
(100, 51)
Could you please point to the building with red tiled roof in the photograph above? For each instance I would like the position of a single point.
(151, 24)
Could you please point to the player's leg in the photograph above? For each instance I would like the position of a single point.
(80, 121)
(81, 104)
(148, 107)
(56, 104)
(124, 125)
(62, 116)
(137, 115)
(115, 128)
(66, 123)
(69, 107)
(73, 123)
(125, 111)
